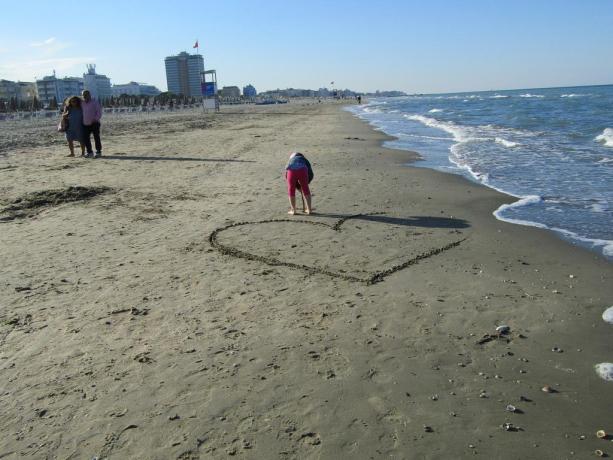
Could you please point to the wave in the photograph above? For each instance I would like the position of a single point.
(506, 143)
(574, 95)
(459, 133)
(420, 136)
(457, 161)
(462, 133)
(606, 246)
(483, 152)
(606, 137)
(524, 201)
(499, 96)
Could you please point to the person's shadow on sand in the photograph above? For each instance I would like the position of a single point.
(173, 158)
(410, 221)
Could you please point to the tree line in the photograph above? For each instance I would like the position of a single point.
(125, 100)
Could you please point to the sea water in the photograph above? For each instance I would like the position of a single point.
(551, 148)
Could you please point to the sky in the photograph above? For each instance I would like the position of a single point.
(417, 46)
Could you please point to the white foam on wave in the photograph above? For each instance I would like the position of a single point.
(506, 143)
(605, 371)
(419, 136)
(523, 201)
(499, 96)
(574, 95)
(531, 95)
(606, 137)
(455, 159)
(606, 246)
(461, 133)
(435, 110)
(607, 315)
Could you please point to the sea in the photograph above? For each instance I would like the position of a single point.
(552, 149)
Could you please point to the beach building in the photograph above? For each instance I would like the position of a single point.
(249, 91)
(17, 90)
(8, 90)
(26, 90)
(98, 85)
(135, 89)
(51, 87)
(230, 91)
(183, 74)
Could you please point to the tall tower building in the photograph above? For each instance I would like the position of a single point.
(183, 74)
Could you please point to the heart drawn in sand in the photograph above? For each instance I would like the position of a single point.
(364, 248)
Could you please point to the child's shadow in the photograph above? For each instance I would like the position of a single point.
(411, 221)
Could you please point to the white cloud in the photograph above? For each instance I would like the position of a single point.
(50, 46)
(47, 42)
(38, 68)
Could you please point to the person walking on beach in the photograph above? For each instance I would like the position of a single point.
(72, 123)
(92, 113)
(298, 174)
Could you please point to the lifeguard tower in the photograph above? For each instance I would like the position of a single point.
(208, 83)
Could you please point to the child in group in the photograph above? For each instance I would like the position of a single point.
(298, 174)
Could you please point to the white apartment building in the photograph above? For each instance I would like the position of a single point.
(51, 87)
(135, 89)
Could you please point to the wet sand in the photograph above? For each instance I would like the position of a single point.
(159, 302)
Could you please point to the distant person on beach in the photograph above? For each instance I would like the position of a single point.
(359, 99)
(92, 113)
(298, 174)
(72, 124)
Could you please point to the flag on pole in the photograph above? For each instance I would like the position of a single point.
(195, 44)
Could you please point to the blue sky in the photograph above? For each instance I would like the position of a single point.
(415, 46)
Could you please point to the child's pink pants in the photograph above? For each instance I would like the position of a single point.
(297, 176)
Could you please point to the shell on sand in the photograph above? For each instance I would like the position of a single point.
(503, 329)
(605, 371)
(600, 434)
(607, 315)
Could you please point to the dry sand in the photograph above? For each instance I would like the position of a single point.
(131, 328)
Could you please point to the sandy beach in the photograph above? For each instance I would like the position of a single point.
(159, 303)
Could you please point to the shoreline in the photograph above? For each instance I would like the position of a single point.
(124, 333)
(594, 245)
